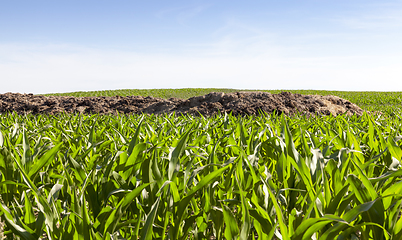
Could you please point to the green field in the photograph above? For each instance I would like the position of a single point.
(184, 177)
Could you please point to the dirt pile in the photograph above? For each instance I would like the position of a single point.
(239, 103)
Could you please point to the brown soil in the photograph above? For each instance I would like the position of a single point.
(239, 103)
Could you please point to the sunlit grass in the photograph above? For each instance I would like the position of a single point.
(179, 177)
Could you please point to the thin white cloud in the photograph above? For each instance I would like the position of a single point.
(236, 25)
(66, 69)
(373, 21)
(182, 14)
(161, 14)
(373, 17)
(236, 38)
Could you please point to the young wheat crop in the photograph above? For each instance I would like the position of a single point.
(183, 177)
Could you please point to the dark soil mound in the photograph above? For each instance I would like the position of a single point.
(240, 103)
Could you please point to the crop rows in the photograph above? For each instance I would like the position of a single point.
(183, 177)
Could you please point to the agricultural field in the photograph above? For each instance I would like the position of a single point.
(82, 176)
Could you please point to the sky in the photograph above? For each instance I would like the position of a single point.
(49, 46)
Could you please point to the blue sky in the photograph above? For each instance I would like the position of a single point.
(63, 46)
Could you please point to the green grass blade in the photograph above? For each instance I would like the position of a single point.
(117, 214)
(350, 216)
(44, 160)
(1, 139)
(313, 225)
(146, 231)
(279, 214)
(246, 220)
(182, 204)
(16, 229)
(231, 230)
(174, 164)
(135, 140)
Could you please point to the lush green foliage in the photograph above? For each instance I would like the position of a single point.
(386, 102)
(170, 177)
